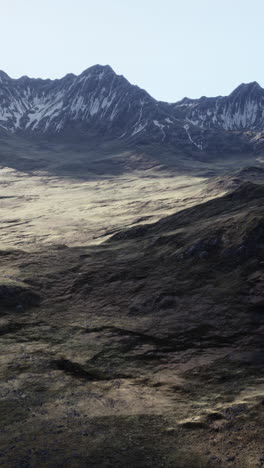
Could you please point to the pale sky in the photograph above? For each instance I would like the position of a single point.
(171, 48)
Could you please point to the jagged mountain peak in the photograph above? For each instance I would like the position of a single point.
(243, 109)
(100, 74)
(246, 89)
(248, 86)
(4, 76)
(105, 104)
(97, 69)
(93, 71)
(97, 100)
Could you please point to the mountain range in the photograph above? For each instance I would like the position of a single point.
(103, 104)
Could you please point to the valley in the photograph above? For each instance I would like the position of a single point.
(53, 210)
(131, 291)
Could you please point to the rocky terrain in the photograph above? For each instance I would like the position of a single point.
(131, 285)
(145, 349)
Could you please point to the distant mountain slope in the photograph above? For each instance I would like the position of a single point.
(243, 109)
(105, 104)
(97, 98)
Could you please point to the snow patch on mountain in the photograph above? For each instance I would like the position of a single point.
(242, 110)
(198, 145)
(161, 127)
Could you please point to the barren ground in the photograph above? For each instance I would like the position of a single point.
(41, 208)
(130, 353)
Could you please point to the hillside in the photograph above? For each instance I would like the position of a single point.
(149, 344)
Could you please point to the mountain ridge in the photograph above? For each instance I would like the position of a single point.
(242, 109)
(101, 101)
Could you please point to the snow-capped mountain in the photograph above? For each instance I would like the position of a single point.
(98, 98)
(102, 103)
(243, 109)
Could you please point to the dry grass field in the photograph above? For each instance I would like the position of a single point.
(42, 208)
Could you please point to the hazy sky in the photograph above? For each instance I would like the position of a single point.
(172, 48)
